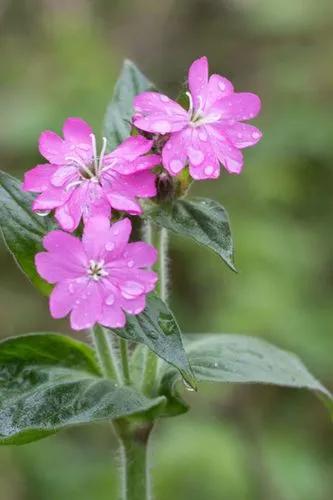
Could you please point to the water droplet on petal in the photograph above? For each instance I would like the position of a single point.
(110, 300)
(77, 301)
(42, 213)
(256, 135)
(176, 166)
(162, 126)
(221, 86)
(203, 135)
(137, 311)
(109, 246)
(130, 263)
(196, 156)
(164, 98)
(71, 288)
(116, 231)
(209, 170)
(131, 289)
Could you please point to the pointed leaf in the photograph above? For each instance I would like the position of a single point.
(201, 219)
(49, 382)
(157, 328)
(21, 228)
(117, 124)
(243, 359)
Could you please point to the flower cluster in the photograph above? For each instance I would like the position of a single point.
(101, 276)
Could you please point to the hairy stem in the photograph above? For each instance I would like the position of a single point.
(135, 483)
(105, 354)
(123, 349)
(151, 362)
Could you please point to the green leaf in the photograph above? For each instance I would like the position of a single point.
(117, 123)
(21, 228)
(203, 220)
(157, 328)
(49, 382)
(243, 359)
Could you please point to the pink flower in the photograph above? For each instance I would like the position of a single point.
(98, 278)
(77, 183)
(210, 132)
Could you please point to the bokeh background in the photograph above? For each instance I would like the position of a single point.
(60, 58)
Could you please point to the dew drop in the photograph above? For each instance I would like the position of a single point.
(176, 166)
(109, 300)
(162, 126)
(164, 98)
(71, 288)
(130, 263)
(221, 86)
(209, 170)
(256, 135)
(196, 156)
(109, 246)
(203, 135)
(131, 289)
(42, 213)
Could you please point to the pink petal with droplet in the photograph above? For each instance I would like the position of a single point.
(198, 81)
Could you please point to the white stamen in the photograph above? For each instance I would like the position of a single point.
(101, 158)
(205, 120)
(199, 110)
(94, 148)
(190, 109)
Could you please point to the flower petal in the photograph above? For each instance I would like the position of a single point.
(102, 241)
(133, 306)
(138, 254)
(140, 184)
(38, 178)
(70, 213)
(50, 199)
(67, 247)
(124, 202)
(64, 295)
(203, 160)
(52, 147)
(158, 114)
(87, 307)
(130, 149)
(64, 175)
(147, 278)
(198, 81)
(112, 316)
(139, 164)
(174, 153)
(54, 269)
(218, 87)
(242, 135)
(238, 106)
(77, 131)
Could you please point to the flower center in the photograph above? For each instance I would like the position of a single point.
(198, 118)
(96, 270)
(92, 170)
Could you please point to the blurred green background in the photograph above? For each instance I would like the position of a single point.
(60, 58)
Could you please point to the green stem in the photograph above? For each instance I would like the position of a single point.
(135, 481)
(162, 267)
(151, 362)
(123, 348)
(106, 356)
